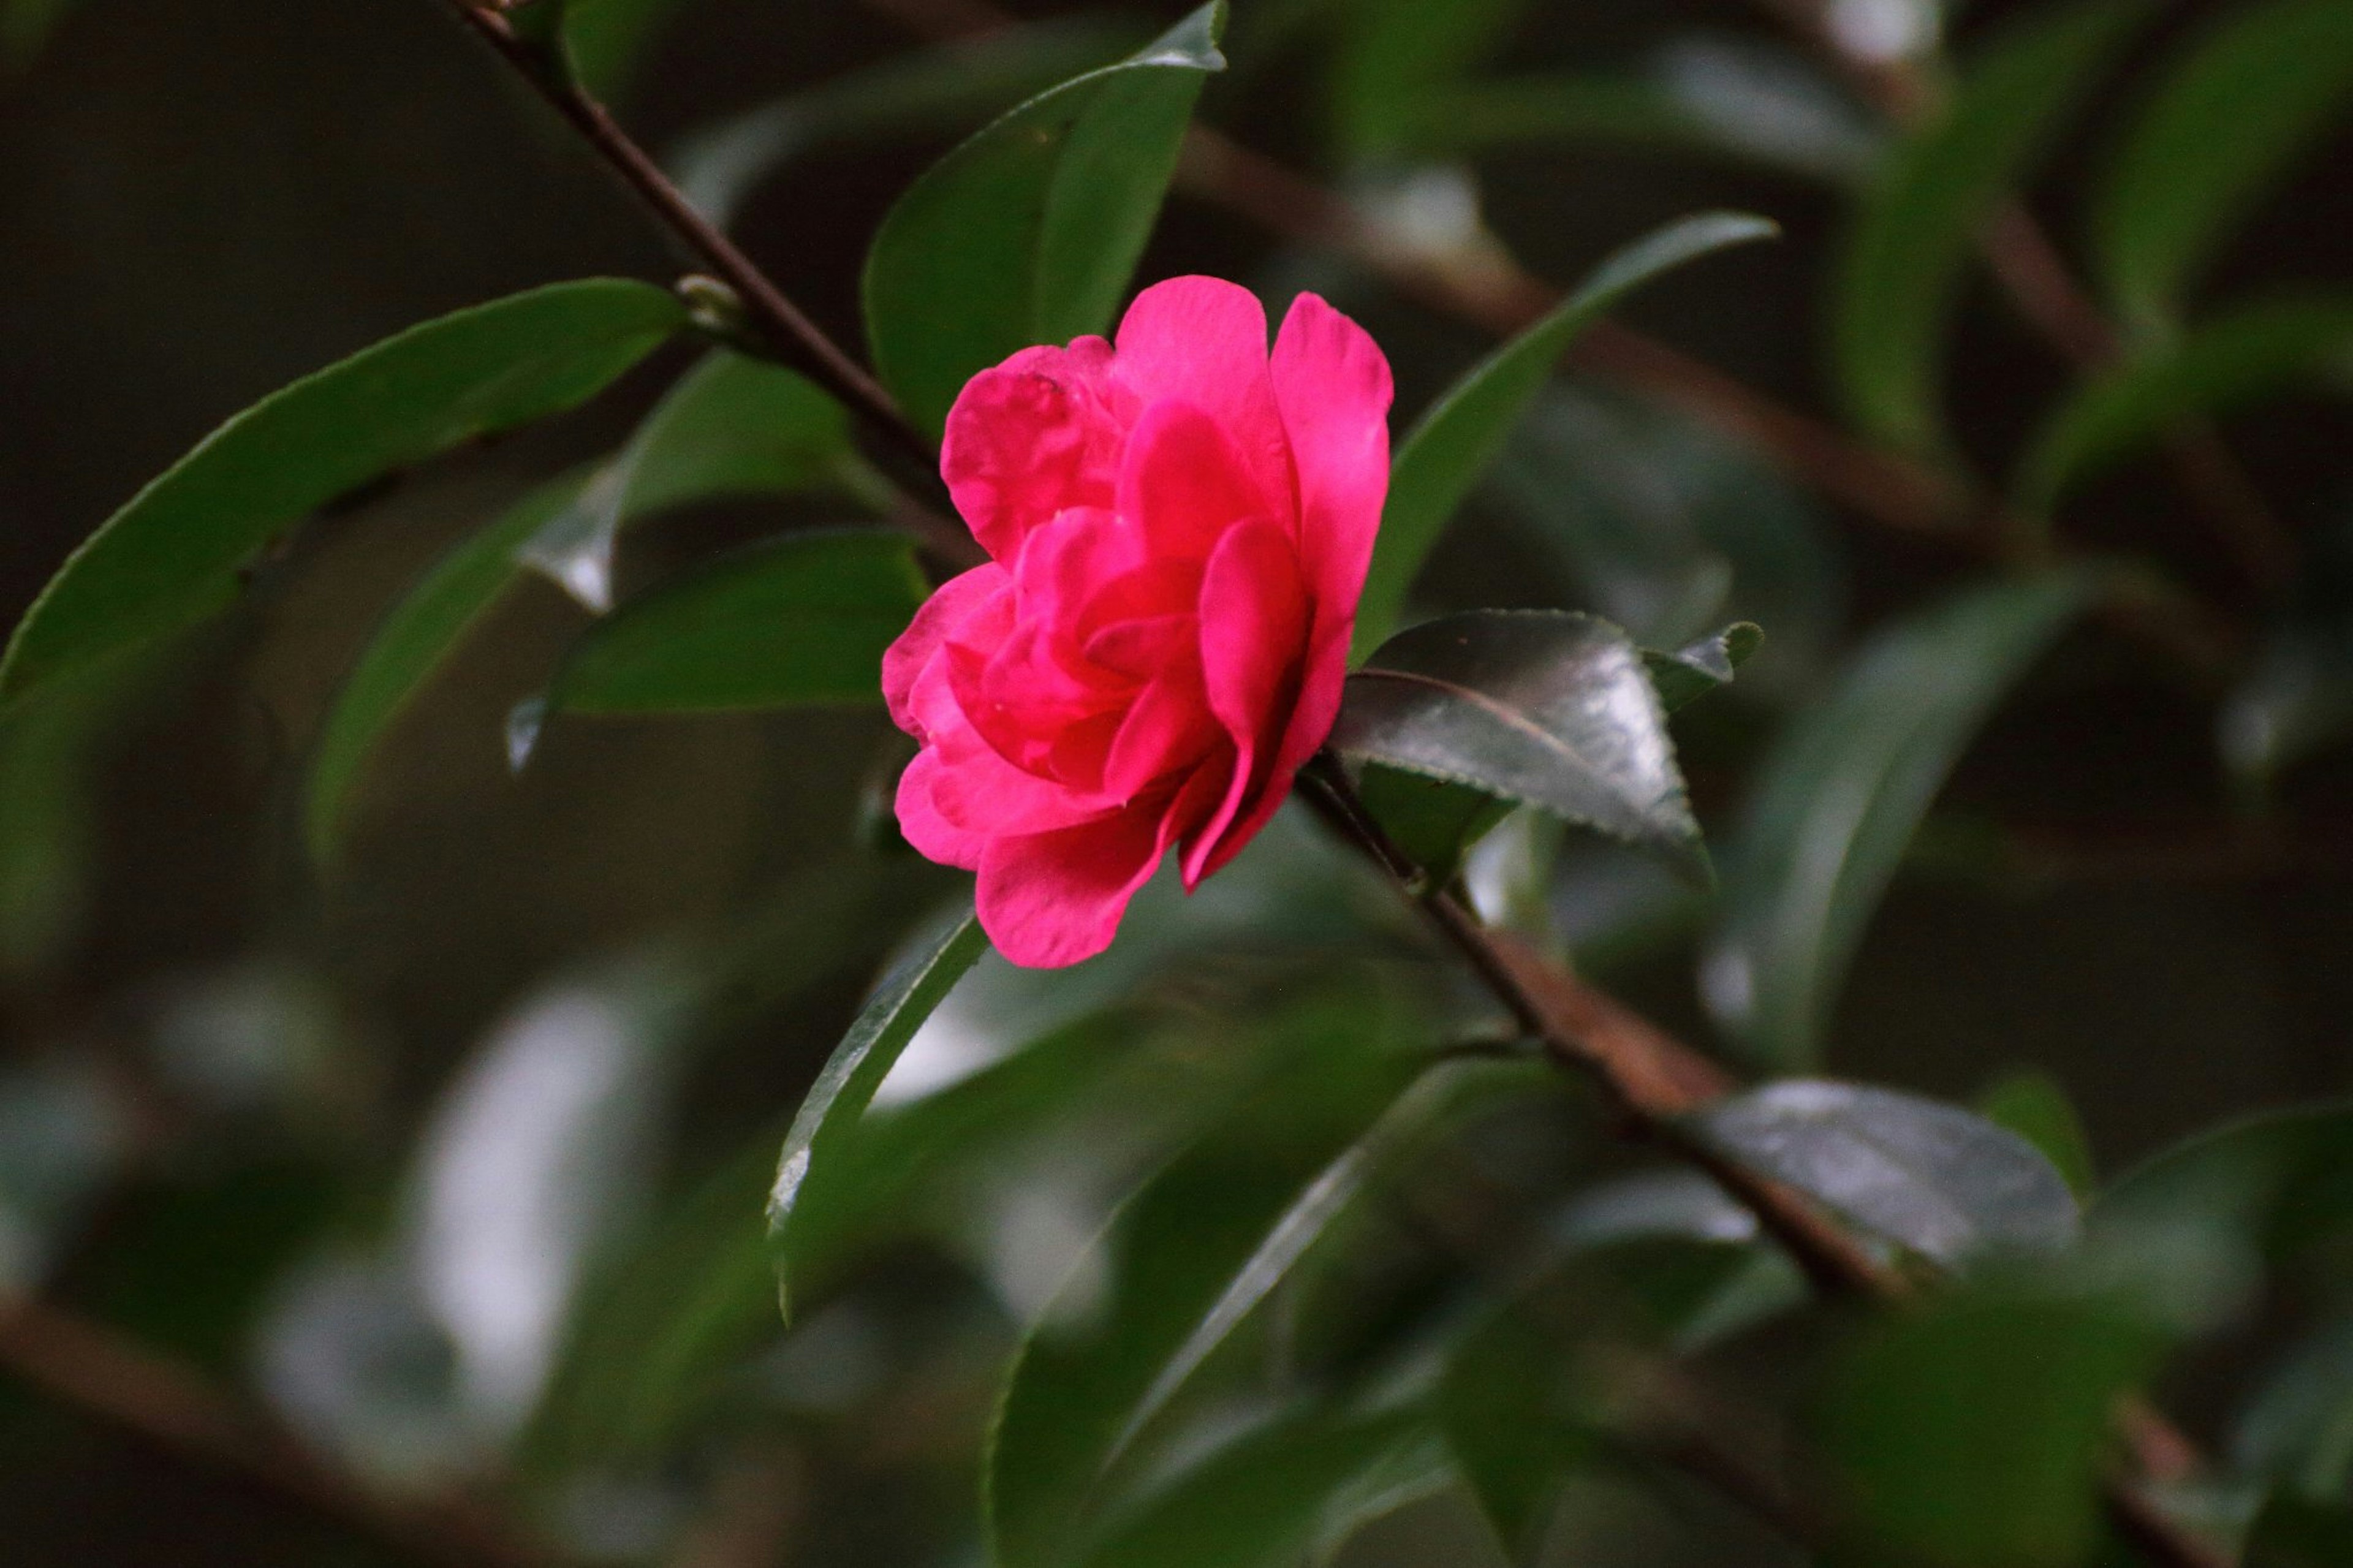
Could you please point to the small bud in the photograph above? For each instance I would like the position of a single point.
(715, 309)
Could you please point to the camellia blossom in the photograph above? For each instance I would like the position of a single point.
(1178, 525)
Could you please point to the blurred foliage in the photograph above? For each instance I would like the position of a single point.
(441, 864)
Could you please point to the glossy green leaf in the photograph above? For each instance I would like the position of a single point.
(2293, 1533)
(1188, 1257)
(827, 1119)
(1264, 1500)
(173, 553)
(1900, 274)
(1840, 795)
(1550, 708)
(2249, 353)
(956, 82)
(2257, 86)
(1972, 1433)
(1453, 442)
(2036, 1107)
(1698, 668)
(1935, 1179)
(1032, 227)
(732, 425)
(794, 620)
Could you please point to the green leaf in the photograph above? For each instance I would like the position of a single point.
(1190, 1255)
(173, 553)
(1550, 708)
(1514, 1423)
(1453, 442)
(1394, 54)
(829, 1117)
(1938, 1181)
(2252, 351)
(1900, 274)
(2255, 88)
(1264, 1500)
(732, 425)
(799, 619)
(2275, 1185)
(1696, 668)
(607, 40)
(955, 83)
(2296, 1431)
(1840, 794)
(1971, 1432)
(1436, 822)
(1032, 227)
(2293, 1533)
(2036, 1107)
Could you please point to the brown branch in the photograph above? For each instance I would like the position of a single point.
(1656, 1083)
(93, 1369)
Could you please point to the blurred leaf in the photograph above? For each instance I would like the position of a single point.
(1709, 97)
(62, 1137)
(1838, 799)
(950, 83)
(1032, 227)
(2252, 351)
(1901, 271)
(827, 1120)
(732, 426)
(1453, 442)
(607, 40)
(1970, 1433)
(1435, 821)
(1394, 54)
(799, 619)
(2292, 1533)
(1512, 1425)
(1949, 1185)
(173, 553)
(1551, 709)
(2257, 86)
(1263, 1499)
(2296, 1431)
(2275, 1184)
(1696, 668)
(1190, 1255)
(2035, 1106)
(2295, 701)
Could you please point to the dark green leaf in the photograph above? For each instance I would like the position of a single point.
(827, 1120)
(1033, 225)
(732, 425)
(2274, 1183)
(1435, 821)
(956, 82)
(173, 553)
(1189, 1255)
(799, 619)
(1551, 709)
(1265, 1498)
(1972, 1433)
(2257, 86)
(1901, 272)
(1693, 670)
(607, 40)
(2291, 1533)
(1837, 802)
(2297, 1432)
(1949, 1185)
(2035, 1106)
(1515, 1424)
(1394, 54)
(1453, 442)
(2252, 351)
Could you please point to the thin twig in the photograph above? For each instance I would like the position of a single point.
(94, 1368)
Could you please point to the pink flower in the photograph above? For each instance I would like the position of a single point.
(1179, 528)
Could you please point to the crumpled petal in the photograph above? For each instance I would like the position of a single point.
(1041, 432)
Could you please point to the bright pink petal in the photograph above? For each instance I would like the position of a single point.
(1168, 728)
(1311, 724)
(1332, 386)
(1184, 484)
(1050, 899)
(950, 605)
(1255, 618)
(934, 836)
(1041, 432)
(1202, 340)
(1143, 646)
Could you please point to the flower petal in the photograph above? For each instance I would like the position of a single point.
(1332, 384)
(1184, 484)
(953, 604)
(1050, 899)
(1255, 619)
(1041, 432)
(1202, 340)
